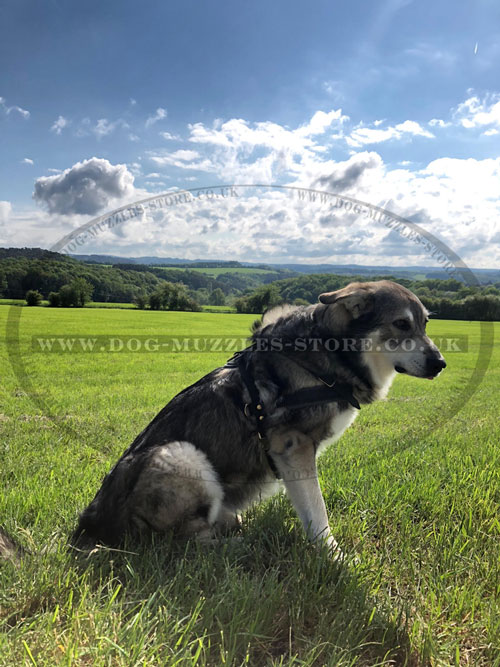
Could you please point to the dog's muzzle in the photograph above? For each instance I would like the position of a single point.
(433, 366)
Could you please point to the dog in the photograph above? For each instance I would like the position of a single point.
(261, 420)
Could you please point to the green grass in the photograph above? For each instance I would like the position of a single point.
(109, 304)
(414, 493)
(12, 302)
(218, 309)
(90, 304)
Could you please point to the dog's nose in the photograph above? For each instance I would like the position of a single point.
(434, 366)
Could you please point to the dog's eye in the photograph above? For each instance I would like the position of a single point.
(403, 325)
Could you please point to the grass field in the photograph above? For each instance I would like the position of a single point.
(413, 493)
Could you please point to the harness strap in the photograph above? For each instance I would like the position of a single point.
(329, 392)
(304, 398)
(255, 408)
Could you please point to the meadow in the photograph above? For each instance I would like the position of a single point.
(412, 490)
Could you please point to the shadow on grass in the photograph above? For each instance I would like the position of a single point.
(267, 597)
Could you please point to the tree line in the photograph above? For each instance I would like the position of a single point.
(26, 269)
(37, 274)
(445, 299)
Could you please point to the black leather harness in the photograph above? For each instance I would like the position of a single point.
(330, 391)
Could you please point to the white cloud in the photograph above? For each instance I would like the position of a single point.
(366, 135)
(103, 127)
(160, 114)
(5, 211)
(168, 136)
(59, 125)
(451, 197)
(84, 189)
(439, 122)
(477, 113)
(27, 160)
(239, 135)
(320, 122)
(491, 132)
(238, 150)
(13, 109)
(183, 159)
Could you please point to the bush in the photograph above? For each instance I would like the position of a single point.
(76, 294)
(172, 296)
(262, 299)
(54, 299)
(217, 298)
(33, 297)
(141, 301)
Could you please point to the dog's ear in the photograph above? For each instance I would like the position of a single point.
(355, 299)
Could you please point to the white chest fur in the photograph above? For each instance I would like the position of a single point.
(338, 425)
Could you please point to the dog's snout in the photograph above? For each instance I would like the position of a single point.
(435, 365)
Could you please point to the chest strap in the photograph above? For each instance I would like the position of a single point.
(302, 398)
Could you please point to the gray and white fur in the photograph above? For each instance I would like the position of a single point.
(200, 461)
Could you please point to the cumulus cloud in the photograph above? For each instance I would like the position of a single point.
(450, 197)
(439, 122)
(27, 160)
(85, 188)
(160, 114)
(346, 175)
(366, 135)
(236, 149)
(320, 122)
(13, 109)
(5, 211)
(59, 125)
(477, 113)
(240, 135)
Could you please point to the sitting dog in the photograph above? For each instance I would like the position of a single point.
(228, 439)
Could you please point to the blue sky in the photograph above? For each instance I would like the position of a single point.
(105, 102)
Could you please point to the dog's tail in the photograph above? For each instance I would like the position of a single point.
(107, 518)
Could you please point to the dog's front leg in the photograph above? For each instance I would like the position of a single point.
(295, 457)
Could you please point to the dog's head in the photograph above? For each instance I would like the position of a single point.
(388, 322)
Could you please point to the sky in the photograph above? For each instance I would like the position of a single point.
(393, 102)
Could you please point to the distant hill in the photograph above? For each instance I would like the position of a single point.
(485, 276)
(23, 269)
